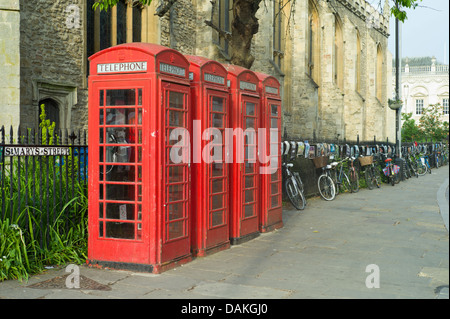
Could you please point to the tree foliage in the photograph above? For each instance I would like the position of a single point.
(431, 125)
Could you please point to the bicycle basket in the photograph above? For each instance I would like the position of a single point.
(366, 160)
(320, 162)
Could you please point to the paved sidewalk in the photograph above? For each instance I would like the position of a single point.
(323, 252)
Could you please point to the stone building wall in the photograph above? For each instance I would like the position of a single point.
(9, 63)
(52, 51)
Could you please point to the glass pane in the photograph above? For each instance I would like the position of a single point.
(175, 211)
(121, 22)
(120, 211)
(176, 174)
(248, 210)
(249, 122)
(120, 116)
(249, 196)
(176, 100)
(217, 104)
(120, 135)
(175, 230)
(175, 118)
(122, 173)
(120, 192)
(175, 193)
(249, 168)
(119, 154)
(249, 181)
(137, 23)
(101, 229)
(102, 95)
(101, 210)
(217, 169)
(274, 123)
(250, 109)
(217, 186)
(274, 177)
(275, 201)
(139, 96)
(101, 116)
(274, 110)
(217, 218)
(275, 188)
(120, 97)
(119, 230)
(216, 202)
(217, 120)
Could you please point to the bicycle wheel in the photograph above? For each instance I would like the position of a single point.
(369, 178)
(421, 168)
(376, 176)
(345, 184)
(326, 187)
(295, 195)
(354, 181)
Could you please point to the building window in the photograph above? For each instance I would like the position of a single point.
(338, 66)
(223, 19)
(120, 24)
(313, 49)
(358, 62)
(419, 106)
(445, 106)
(277, 32)
(379, 74)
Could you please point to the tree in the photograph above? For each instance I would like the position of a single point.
(245, 24)
(431, 125)
(410, 130)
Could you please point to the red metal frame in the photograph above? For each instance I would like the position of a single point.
(139, 207)
(271, 184)
(244, 179)
(210, 182)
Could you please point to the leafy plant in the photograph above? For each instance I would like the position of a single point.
(32, 236)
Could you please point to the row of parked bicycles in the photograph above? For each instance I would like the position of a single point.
(345, 168)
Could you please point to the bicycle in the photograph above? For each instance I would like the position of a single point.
(371, 175)
(294, 186)
(391, 171)
(425, 163)
(326, 185)
(353, 176)
(340, 179)
(412, 166)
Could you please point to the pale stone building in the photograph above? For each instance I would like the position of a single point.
(331, 57)
(423, 85)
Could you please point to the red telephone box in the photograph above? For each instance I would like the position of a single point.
(244, 169)
(270, 167)
(210, 180)
(139, 200)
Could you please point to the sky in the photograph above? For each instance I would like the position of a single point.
(425, 32)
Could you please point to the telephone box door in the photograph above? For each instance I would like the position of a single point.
(176, 168)
(273, 194)
(119, 222)
(217, 220)
(250, 168)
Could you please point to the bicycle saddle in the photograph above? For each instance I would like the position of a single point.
(333, 164)
(388, 160)
(289, 165)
